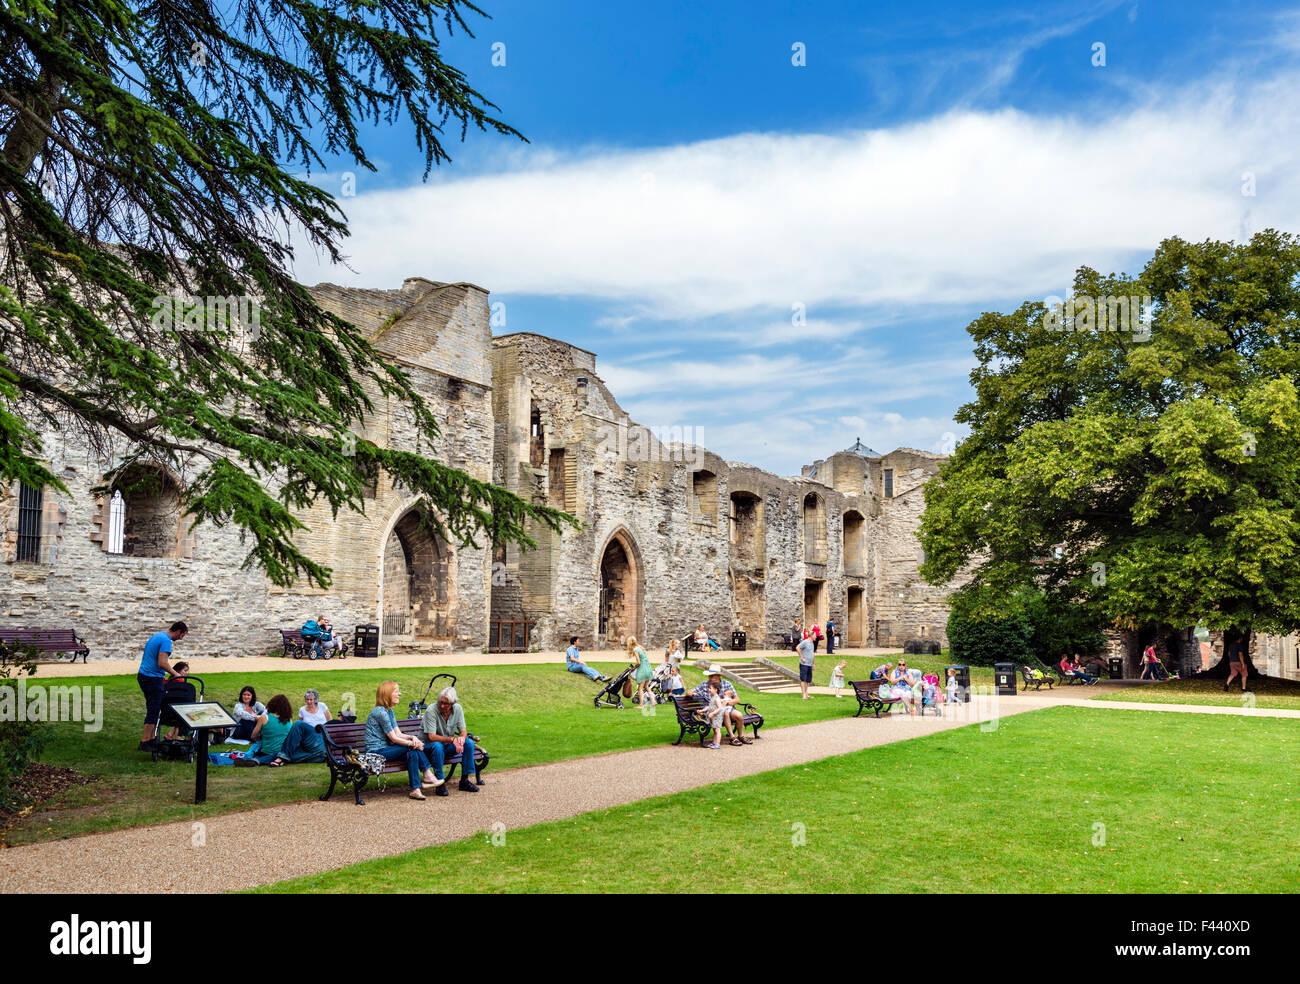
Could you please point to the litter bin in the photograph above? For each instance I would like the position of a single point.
(365, 641)
(1004, 676)
(738, 639)
(1117, 668)
(963, 681)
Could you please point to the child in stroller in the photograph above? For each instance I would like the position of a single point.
(180, 741)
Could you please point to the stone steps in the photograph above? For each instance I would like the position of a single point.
(756, 675)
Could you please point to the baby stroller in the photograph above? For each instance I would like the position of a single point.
(931, 695)
(416, 708)
(661, 683)
(611, 695)
(311, 644)
(177, 690)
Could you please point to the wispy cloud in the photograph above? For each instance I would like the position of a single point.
(959, 209)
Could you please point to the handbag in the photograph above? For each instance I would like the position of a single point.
(627, 687)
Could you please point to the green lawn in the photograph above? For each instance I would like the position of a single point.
(525, 715)
(1013, 810)
(1266, 692)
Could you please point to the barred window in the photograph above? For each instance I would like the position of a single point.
(31, 503)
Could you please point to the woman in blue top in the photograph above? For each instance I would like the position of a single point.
(385, 738)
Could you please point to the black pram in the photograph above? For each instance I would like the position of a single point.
(611, 695)
(177, 690)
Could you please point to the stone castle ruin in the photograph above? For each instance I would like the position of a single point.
(672, 535)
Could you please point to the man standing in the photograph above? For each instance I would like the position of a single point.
(154, 667)
(727, 694)
(830, 637)
(573, 661)
(807, 654)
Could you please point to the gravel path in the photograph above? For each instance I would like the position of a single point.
(300, 838)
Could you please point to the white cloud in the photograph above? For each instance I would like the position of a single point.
(958, 209)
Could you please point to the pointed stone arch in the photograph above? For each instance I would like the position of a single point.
(417, 579)
(620, 600)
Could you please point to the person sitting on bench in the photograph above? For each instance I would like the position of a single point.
(328, 640)
(444, 729)
(727, 694)
(385, 739)
(574, 664)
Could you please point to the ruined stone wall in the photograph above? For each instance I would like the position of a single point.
(672, 508)
(116, 601)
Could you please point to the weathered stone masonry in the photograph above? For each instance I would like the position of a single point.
(672, 535)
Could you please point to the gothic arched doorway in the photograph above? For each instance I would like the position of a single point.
(418, 580)
(621, 606)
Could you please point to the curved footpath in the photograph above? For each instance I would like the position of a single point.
(302, 838)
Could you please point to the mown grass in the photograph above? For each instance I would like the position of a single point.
(1265, 692)
(525, 715)
(1068, 799)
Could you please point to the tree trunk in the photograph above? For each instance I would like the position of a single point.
(1232, 638)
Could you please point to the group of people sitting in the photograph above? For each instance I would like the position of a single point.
(1071, 668)
(280, 739)
(914, 688)
(443, 734)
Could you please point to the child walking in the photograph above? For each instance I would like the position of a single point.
(837, 676)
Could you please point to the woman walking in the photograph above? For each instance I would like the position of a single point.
(644, 671)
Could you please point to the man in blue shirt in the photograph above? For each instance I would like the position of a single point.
(154, 667)
(573, 661)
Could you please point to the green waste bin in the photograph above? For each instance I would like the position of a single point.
(1004, 677)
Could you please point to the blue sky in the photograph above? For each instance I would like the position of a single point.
(784, 257)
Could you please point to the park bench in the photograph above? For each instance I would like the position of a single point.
(1026, 674)
(294, 644)
(869, 699)
(1065, 678)
(298, 647)
(15, 643)
(343, 737)
(692, 725)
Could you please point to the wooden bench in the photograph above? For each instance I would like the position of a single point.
(868, 694)
(1026, 674)
(342, 737)
(691, 725)
(297, 646)
(1065, 678)
(14, 642)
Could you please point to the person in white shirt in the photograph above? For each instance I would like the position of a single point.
(313, 712)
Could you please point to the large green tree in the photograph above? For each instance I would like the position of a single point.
(150, 148)
(1148, 476)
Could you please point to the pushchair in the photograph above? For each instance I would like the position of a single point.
(416, 708)
(661, 683)
(311, 641)
(931, 695)
(611, 695)
(177, 690)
